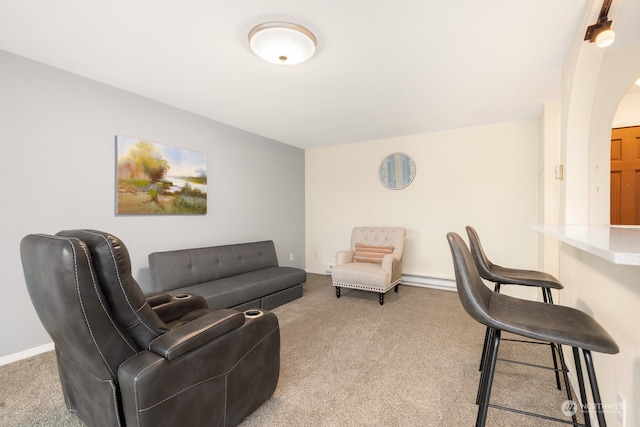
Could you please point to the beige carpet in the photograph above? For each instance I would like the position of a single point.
(351, 362)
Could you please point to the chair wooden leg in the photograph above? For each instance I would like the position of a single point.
(396, 289)
(381, 297)
(338, 291)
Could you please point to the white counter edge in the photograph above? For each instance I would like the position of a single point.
(598, 240)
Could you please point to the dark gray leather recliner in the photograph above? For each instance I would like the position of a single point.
(125, 359)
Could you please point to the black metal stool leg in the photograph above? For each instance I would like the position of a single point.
(583, 392)
(487, 379)
(597, 401)
(484, 350)
(548, 298)
(485, 361)
(496, 288)
(555, 365)
(565, 370)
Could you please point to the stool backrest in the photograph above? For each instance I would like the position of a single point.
(483, 264)
(473, 293)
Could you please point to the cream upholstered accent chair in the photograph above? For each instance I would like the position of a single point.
(374, 262)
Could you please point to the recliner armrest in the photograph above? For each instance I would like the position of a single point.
(194, 334)
(157, 298)
(178, 306)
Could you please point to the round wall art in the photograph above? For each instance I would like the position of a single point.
(397, 171)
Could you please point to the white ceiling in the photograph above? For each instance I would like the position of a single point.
(382, 68)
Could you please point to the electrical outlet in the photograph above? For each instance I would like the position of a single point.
(621, 409)
(291, 256)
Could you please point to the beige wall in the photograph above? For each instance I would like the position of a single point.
(486, 177)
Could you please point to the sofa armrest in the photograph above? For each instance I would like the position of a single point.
(157, 298)
(196, 333)
(344, 257)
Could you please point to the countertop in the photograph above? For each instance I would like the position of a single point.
(617, 244)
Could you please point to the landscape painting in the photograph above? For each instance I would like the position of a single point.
(155, 179)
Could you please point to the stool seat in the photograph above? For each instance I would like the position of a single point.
(546, 322)
(504, 275)
(513, 276)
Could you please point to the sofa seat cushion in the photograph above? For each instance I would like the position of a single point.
(235, 290)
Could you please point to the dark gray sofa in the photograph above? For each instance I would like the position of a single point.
(240, 276)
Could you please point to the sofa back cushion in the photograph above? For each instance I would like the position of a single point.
(186, 267)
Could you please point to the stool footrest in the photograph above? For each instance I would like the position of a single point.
(533, 414)
(533, 365)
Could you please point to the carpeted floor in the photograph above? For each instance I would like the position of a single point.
(351, 362)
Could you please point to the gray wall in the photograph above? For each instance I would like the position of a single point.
(58, 153)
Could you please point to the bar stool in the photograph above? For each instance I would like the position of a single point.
(511, 276)
(531, 319)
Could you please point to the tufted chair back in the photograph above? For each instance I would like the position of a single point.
(379, 236)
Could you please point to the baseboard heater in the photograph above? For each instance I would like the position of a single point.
(429, 282)
(414, 280)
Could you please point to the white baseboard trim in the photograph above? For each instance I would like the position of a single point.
(5, 360)
(321, 272)
(429, 282)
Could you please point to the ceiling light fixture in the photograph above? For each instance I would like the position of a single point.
(282, 42)
(601, 32)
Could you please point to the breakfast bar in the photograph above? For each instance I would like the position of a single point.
(616, 244)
